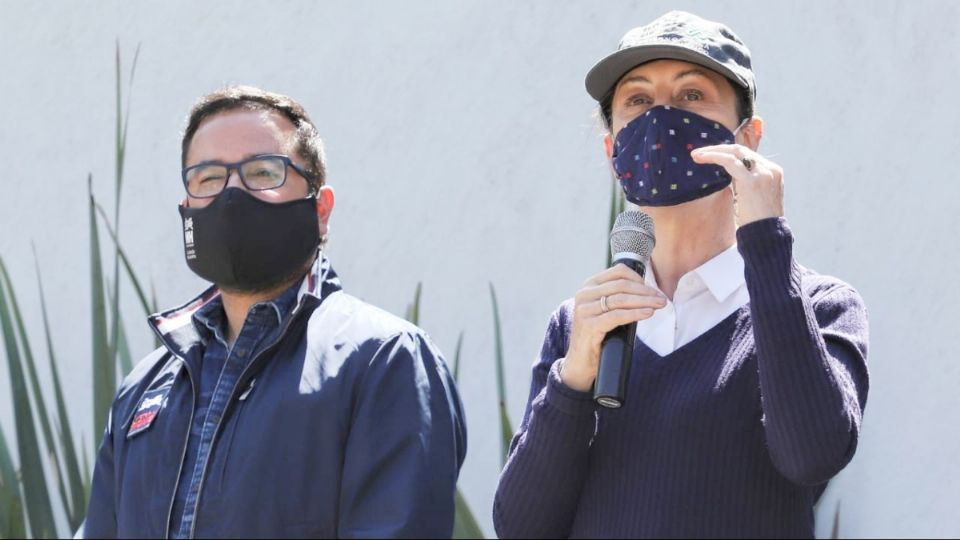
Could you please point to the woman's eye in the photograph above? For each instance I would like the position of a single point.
(637, 100)
(692, 95)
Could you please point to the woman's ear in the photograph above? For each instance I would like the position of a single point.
(751, 133)
(608, 145)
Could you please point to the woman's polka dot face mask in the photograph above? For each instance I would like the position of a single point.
(651, 157)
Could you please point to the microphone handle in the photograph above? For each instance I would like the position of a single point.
(616, 355)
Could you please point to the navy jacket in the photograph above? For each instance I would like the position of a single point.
(348, 425)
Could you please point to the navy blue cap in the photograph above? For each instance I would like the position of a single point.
(678, 35)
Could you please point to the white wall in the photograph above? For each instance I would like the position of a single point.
(463, 151)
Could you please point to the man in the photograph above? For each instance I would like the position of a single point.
(749, 375)
(278, 405)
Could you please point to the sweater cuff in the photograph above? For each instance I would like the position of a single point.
(564, 398)
(772, 275)
(763, 238)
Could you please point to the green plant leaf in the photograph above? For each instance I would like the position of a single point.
(153, 307)
(413, 309)
(123, 351)
(123, 348)
(39, 403)
(464, 524)
(617, 206)
(148, 307)
(78, 504)
(506, 431)
(12, 524)
(456, 359)
(38, 508)
(122, 125)
(85, 463)
(121, 130)
(104, 368)
(835, 530)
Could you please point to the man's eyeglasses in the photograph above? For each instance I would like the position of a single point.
(258, 173)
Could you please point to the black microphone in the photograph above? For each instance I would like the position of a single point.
(631, 242)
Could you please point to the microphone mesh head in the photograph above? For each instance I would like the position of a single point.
(633, 233)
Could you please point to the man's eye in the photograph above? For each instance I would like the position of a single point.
(211, 178)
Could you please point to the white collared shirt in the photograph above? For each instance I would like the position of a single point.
(704, 297)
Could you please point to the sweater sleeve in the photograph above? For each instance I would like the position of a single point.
(540, 485)
(811, 353)
(406, 444)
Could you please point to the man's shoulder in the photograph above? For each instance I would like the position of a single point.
(349, 336)
(145, 369)
(348, 317)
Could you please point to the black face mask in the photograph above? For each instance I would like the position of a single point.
(242, 243)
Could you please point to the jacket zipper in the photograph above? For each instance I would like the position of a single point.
(186, 442)
(233, 396)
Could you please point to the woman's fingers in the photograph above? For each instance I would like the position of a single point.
(620, 301)
(619, 271)
(757, 181)
(617, 286)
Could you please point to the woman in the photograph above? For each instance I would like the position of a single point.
(749, 374)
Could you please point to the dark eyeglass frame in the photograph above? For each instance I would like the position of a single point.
(238, 166)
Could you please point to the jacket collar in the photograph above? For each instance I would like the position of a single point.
(177, 332)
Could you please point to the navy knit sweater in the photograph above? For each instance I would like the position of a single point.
(735, 434)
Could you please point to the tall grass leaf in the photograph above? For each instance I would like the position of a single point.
(835, 530)
(78, 503)
(413, 309)
(617, 206)
(104, 370)
(122, 131)
(456, 359)
(148, 308)
(154, 306)
(506, 431)
(122, 124)
(39, 511)
(464, 524)
(153, 309)
(39, 403)
(62, 490)
(85, 463)
(123, 351)
(118, 132)
(12, 524)
(114, 298)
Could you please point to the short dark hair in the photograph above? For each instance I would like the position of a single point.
(309, 146)
(744, 105)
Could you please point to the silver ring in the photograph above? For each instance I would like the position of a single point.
(748, 163)
(603, 304)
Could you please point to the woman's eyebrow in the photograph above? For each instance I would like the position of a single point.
(633, 79)
(692, 72)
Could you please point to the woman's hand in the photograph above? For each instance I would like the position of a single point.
(626, 298)
(757, 182)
